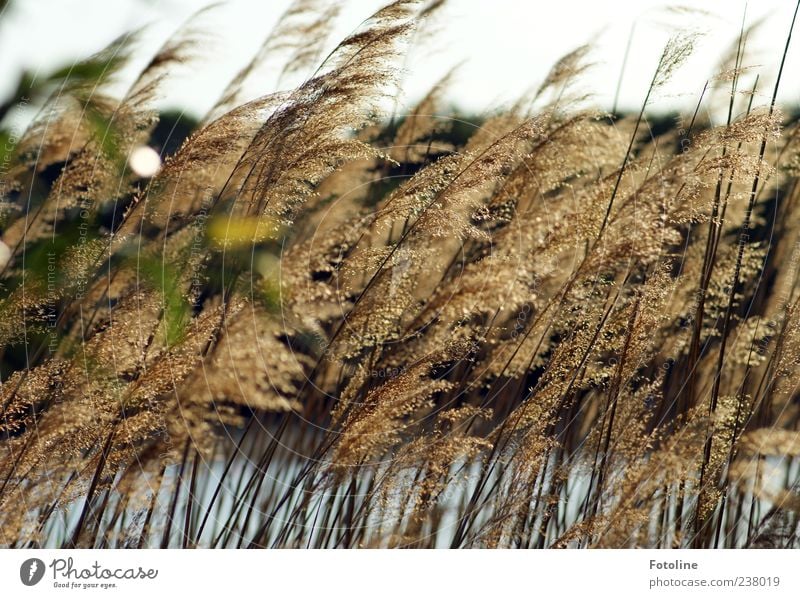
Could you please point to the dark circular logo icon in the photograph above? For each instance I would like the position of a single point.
(31, 572)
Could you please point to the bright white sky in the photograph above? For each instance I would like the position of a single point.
(505, 46)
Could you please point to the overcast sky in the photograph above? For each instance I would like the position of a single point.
(505, 46)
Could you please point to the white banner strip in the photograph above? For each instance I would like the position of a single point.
(399, 574)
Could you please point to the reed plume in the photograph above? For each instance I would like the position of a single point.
(326, 323)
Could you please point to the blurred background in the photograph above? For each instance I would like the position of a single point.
(502, 47)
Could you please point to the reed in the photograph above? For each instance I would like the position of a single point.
(326, 323)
